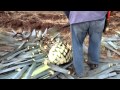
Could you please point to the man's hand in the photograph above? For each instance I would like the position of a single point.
(67, 13)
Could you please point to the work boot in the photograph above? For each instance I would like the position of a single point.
(73, 73)
(92, 66)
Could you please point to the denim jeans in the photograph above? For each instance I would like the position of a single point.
(78, 32)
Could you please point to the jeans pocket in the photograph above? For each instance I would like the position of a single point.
(98, 25)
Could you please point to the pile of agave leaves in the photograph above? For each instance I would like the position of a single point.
(28, 58)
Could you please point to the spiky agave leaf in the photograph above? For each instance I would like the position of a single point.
(39, 34)
(33, 35)
(45, 33)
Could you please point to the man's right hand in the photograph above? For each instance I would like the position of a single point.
(67, 13)
(107, 21)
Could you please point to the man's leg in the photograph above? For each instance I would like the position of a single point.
(78, 32)
(95, 35)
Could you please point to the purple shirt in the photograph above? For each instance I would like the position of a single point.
(83, 16)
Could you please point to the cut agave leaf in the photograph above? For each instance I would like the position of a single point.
(17, 53)
(58, 69)
(8, 76)
(20, 73)
(11, 63)
(40, 69)
(57, 73)
(23, 43)
(30, 71)
(40, 74)
(13, 68)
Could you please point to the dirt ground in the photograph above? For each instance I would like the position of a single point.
(40, 20)
(28, 20)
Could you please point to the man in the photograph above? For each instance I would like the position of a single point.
(81, 24)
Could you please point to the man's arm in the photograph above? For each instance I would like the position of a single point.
(107, 20)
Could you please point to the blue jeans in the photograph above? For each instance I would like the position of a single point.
(79, 31)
